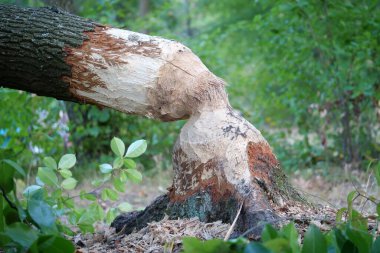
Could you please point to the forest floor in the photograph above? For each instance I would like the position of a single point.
(166, 235)
(331, 190)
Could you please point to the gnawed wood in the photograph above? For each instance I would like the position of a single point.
(220, 159)
(140, 74)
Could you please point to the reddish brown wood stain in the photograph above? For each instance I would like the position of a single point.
(216, 185)
(261, 160)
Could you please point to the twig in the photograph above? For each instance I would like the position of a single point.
(316, 196)
(85, 193)
(366, 189)
(229, 232)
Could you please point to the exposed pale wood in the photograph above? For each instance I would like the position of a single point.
(220, 159)
(140, 74)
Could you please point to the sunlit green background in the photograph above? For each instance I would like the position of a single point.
(305, 73)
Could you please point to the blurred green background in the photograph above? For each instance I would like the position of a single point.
(305, 73)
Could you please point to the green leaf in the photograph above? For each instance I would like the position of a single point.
(50, 163)
(21, 234)
(104, 195)
(54, 243)
(47, 176)
(86, 227)
(69, 203)
(93, 213)
(129, 163)
(118, 162)
(314, 241)
(111, 215)
(30, 190)
(109, 194)
(98, 211)
(194, 245)
(350, 199)
(358, 221)
(269, 233)
(278, 245)
(136, 149)
(360, 238)
(377, 173)
(134, 175)
(105, 168)
(290, 233)
(117, 146)
(67, 161)
(97, 182)
(89, 196)
(65, 173)
(69, 183)
(123, 176)
(125, 207)
(376, 246)
(112, 195)
(339, 239)
(15, 166)
(119, 185)
(255, 247)
(2, 221)
(42, 214)
(6, 178)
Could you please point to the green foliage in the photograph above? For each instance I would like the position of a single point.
(351, 234)
(31, 127)
(314, 241)
(33, 222)
(308, 69)
(344, 239)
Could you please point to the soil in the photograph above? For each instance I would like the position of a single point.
(166, 235)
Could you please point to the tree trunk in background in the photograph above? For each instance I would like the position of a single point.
(143, 7)
(189, 30)
(143, 10)
(67, 5)
(221, 161)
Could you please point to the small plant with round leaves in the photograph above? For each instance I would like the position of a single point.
(32, 222)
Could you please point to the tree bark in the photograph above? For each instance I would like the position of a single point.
(220, 160)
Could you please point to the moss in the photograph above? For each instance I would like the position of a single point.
(282, 187)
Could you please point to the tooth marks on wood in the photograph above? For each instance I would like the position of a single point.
(235, 114)
(192, 177)
(101, 51)
(234, 132)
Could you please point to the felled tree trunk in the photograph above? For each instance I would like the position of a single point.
(221, 161)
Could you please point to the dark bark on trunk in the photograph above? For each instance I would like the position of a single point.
(32, 43)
